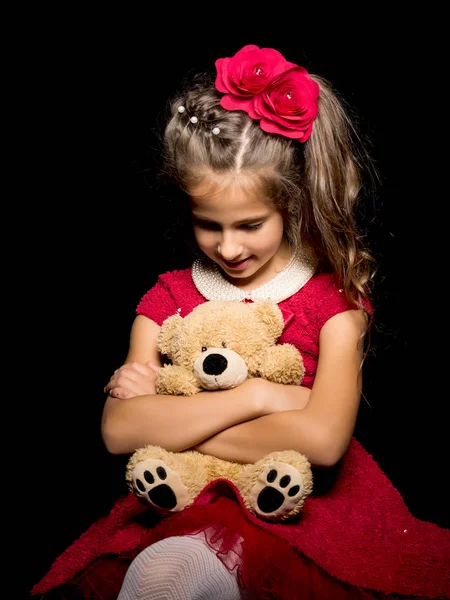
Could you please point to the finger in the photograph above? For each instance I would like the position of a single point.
(138, 367)
(121, 393)
(139, 377)
(136, 383)
(132, 379)
(109, 386)
(111, 383)
(153, 367)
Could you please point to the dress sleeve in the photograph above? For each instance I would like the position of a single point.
(334, 302)
(158, 303)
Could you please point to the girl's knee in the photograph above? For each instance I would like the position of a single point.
(182, 568)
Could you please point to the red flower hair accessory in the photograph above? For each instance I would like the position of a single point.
(261, 82)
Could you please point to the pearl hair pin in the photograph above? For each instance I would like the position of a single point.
(182, 109)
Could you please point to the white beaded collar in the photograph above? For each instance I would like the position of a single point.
(213, 286)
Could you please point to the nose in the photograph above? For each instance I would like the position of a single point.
(215, 364)
(229, 246)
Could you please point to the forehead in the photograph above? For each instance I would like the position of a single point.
(229, 198)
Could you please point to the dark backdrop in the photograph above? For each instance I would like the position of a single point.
(95, 243)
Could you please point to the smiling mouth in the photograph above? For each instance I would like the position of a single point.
(236, 263)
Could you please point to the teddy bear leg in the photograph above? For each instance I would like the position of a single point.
(275, 487)
(163, 479)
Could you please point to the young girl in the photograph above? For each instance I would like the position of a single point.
(271, 171)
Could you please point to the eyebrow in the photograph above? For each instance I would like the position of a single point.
(254, 219)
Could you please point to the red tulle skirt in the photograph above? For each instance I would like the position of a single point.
(356, 541)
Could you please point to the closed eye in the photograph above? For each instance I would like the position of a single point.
(208, 225)
(251, 226)
(211, 226)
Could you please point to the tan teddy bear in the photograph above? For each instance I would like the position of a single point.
(215, 347)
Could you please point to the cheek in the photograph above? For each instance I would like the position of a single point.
(203, 238)
(279, 226)
(273, 236)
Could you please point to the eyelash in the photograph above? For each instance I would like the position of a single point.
(253, 226)
(212, 226)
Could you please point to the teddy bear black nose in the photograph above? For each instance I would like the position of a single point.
(215, 364)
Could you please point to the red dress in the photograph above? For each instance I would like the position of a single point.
(354, 540)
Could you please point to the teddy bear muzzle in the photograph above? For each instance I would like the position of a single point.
(220, 368)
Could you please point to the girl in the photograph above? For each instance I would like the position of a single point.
(270, 167)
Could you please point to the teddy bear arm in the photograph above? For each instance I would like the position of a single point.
(282, 364)
(175, 380)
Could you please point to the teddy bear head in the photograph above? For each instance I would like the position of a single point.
(222, 343)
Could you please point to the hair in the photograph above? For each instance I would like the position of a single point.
(315, 185)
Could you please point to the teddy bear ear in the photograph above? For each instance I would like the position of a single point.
(167, 332)
(270, 314)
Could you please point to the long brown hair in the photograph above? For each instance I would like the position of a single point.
(315, 185)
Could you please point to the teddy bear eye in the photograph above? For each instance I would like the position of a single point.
(204, 348)
(224, 345)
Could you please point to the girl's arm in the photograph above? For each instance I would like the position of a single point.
(323, 429)
(175, 422)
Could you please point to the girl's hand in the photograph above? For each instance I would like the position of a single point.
(132, 379)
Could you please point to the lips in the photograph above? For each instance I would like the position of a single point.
(238, 264)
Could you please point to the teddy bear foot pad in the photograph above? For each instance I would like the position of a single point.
(278, 492)
(160, 486)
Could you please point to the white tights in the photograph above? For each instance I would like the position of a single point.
(179, 568)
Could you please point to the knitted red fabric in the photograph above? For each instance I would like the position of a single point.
(358, 540)
(309, 309)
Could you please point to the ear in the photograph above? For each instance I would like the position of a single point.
(166, 334)
(270, 314)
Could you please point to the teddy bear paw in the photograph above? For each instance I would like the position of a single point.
(160, 486)
(279, 492)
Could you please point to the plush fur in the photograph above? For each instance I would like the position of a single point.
(218, 346)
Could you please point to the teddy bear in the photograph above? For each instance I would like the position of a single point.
(217, 346)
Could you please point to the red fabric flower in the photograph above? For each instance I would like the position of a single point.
(261, 82)
(245, 74)
(288, 105)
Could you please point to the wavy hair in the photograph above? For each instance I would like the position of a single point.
(315, 185)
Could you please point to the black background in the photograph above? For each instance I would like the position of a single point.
(93, 237)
